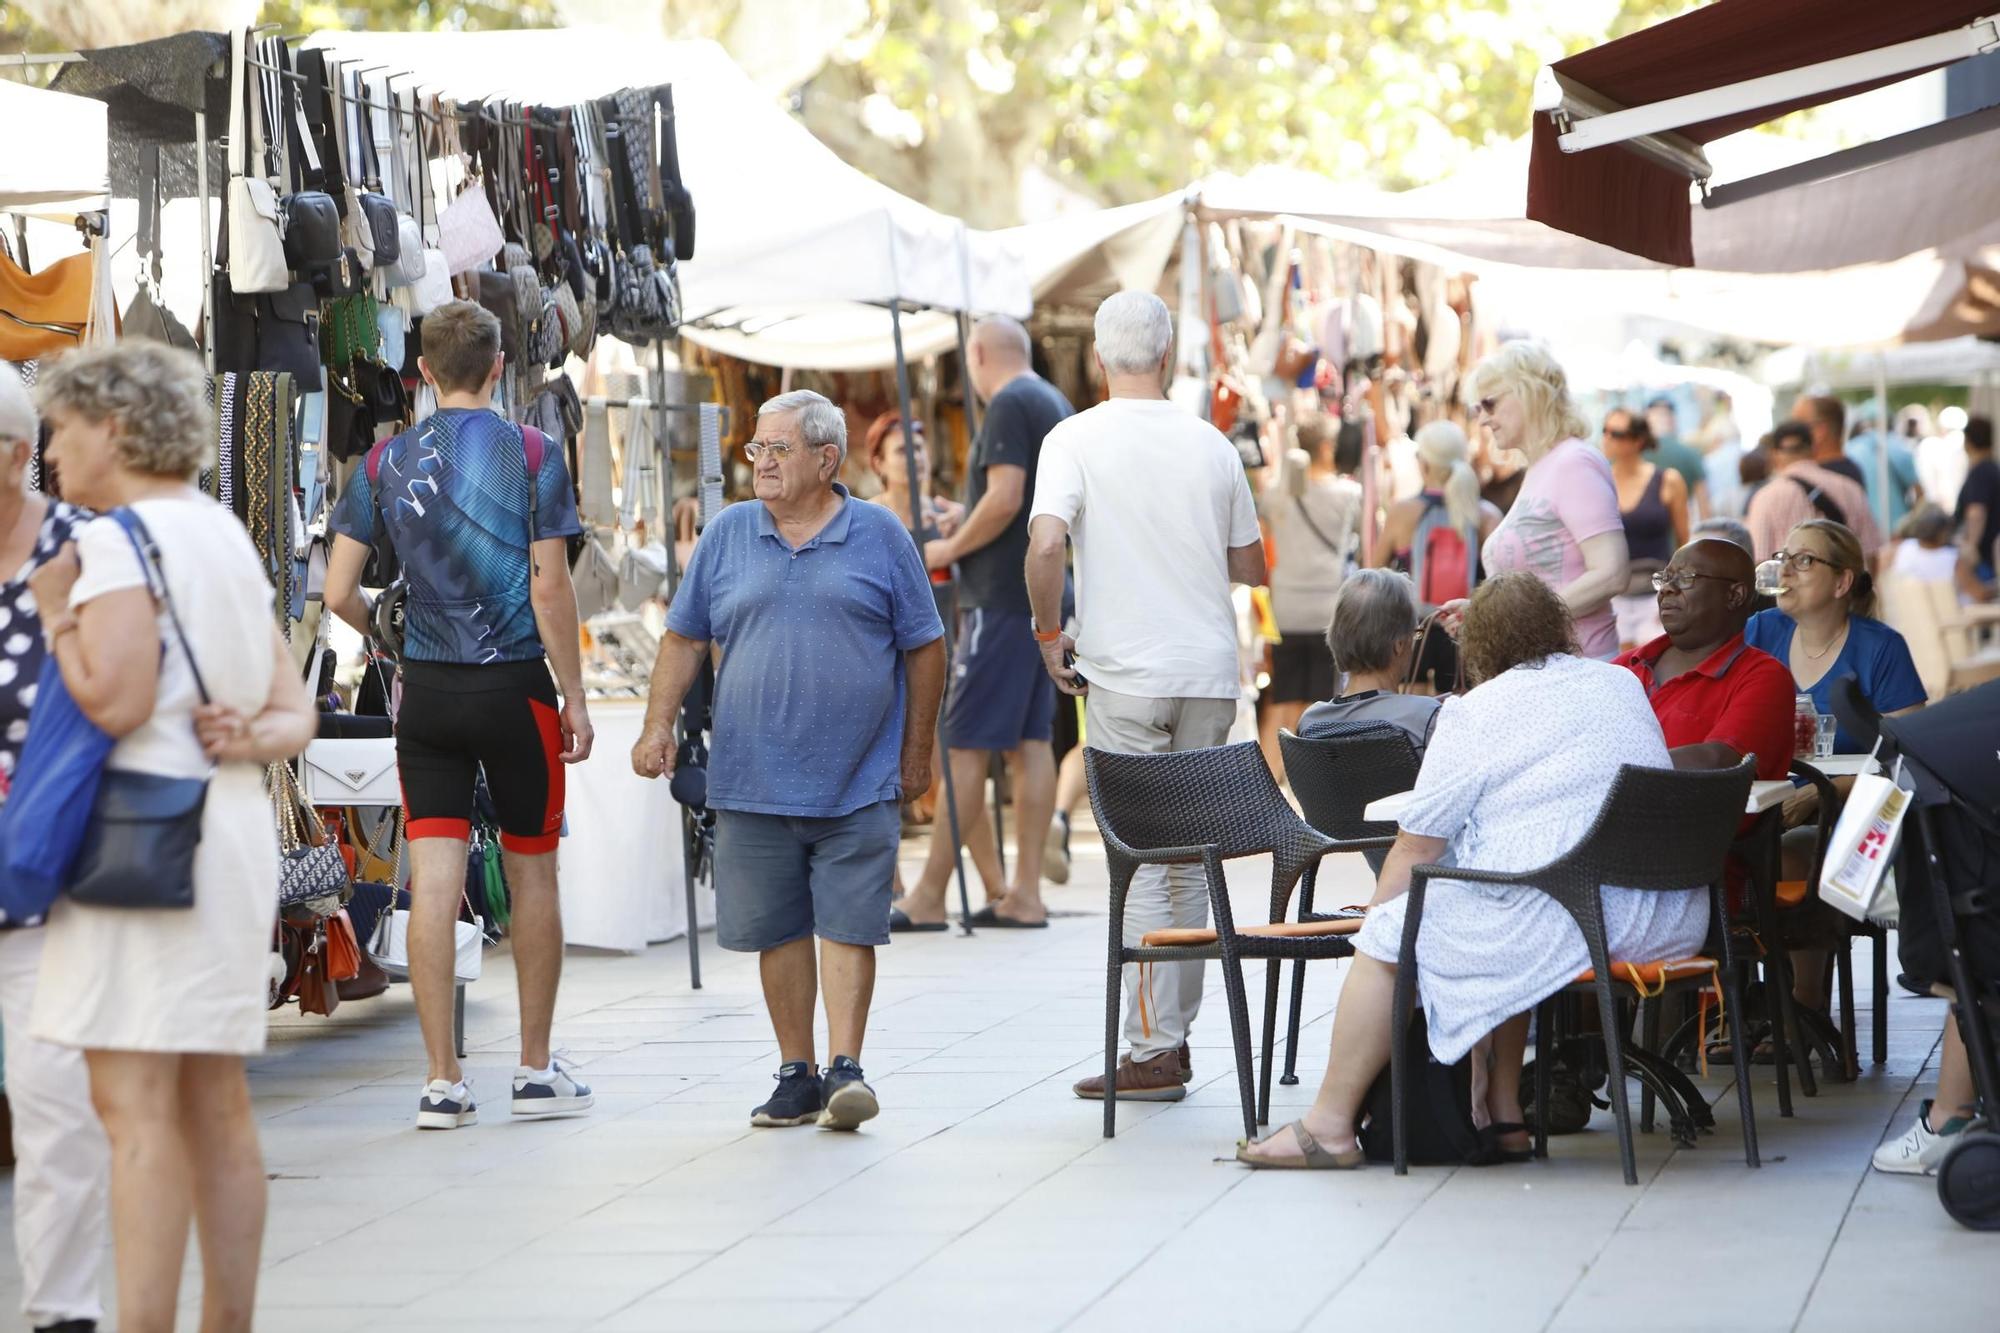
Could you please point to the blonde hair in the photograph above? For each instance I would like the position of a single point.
(1441, 444)
(155, 397)
(1530, 372)
(1844, 552)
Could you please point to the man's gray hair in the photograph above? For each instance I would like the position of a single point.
(18, 418)
(1374, 611)
(1729, 529)
(1134, 333)
(820, 422)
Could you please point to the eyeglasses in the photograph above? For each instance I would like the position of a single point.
(778, 449)
(1682, 579)
(1629, 433)
(1801, 562)
(1484, 406)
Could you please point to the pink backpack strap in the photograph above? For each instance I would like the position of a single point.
(533, 443)
(374, 463)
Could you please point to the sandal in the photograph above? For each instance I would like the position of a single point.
(1316, 1158)
(1492, 1153)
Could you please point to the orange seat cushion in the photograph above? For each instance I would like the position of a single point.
(1190, 937)
(1651, 976)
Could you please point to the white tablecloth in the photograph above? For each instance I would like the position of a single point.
(622, 872)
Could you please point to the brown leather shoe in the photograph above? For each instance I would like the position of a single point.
(1156, 1079)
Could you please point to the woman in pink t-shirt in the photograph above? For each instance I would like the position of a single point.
(1564, 527)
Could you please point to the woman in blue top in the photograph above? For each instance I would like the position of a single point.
(1822, 630)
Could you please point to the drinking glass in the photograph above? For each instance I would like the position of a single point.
(1823, 737)
(1770, 578)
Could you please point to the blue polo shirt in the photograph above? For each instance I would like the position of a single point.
(809, 699)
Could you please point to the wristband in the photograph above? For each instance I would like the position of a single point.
(1049, 637)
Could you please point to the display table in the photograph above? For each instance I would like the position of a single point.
(623, 878)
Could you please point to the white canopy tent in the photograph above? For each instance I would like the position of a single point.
(60, 166)
(798, 254)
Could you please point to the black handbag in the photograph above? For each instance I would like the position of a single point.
(385, 233)
(139, 847)
(275, 331)
(312, 232)
(350, 421)
(497, 294)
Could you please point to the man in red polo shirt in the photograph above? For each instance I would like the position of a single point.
(1716, 697)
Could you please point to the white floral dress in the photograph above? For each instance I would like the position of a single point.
(1515, 773)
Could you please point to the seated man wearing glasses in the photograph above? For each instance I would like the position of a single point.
(1716, 697)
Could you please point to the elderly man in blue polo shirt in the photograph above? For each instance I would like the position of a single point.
(825, 714)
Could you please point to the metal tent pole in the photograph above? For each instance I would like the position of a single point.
(917, 535)
(689, 835)
(207, 240)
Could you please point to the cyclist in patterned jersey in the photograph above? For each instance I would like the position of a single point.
(490, 611)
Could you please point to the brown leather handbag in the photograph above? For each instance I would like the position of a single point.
(43, 312)
(318, 992)
(343, 950)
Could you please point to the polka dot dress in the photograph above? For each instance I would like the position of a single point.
(21, 650)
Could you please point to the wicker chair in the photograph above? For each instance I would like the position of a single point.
(1334, 776)
(1203, 807)
(1658, 830)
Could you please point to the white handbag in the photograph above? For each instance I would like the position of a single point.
(351, 771)
(256, 225)
(390, 946)
(468, 233)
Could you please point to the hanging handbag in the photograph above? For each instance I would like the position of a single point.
(317, 991)
(313, 880)
(680, 204)
(468, 233)
(288, 335)
(254, 226)
(390, 944)
(44, 312)
(497, 293)
(139, 847)
(343, 949)
(148, 316)
(350, 330)
(351, 772)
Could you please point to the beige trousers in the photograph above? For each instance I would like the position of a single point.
(1160, 895)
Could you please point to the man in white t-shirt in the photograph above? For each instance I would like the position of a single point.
(1157, 506)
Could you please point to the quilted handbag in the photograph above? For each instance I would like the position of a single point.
(351, 772)
(468, 233)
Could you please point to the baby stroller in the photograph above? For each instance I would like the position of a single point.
(1948, 876)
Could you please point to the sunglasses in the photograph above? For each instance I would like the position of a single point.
(1484, 406)
(1629, 433)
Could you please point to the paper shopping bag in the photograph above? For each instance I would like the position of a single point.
(1864, 841)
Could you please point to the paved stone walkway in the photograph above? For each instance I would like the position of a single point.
(985, 1198)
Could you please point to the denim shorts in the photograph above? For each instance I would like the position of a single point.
(780, 878)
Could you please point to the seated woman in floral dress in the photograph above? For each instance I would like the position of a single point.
(1501, 796)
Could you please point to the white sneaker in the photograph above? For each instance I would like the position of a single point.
(1920, 1150)
(549, 1092)
(1055, 851)
(446, 1106)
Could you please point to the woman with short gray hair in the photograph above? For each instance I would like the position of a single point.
(60, 1159)
(1372, 636)
(165, 639)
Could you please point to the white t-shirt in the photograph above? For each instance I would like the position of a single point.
(1155, 498)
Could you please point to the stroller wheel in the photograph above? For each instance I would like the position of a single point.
(1969, 1180)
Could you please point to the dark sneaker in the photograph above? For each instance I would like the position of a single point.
(796, 1102)
(446, 1106)
(69, 1326)
(549, 1092)
(1157, 1078)
(849, 1100)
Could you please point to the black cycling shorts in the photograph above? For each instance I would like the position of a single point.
(504, 718)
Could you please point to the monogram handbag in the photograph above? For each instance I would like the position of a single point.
(312, 874)
(139, 846)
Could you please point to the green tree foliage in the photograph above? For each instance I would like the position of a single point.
(1131, 98)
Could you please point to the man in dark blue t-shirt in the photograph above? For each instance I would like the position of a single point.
(478, 513)
(1000, 698)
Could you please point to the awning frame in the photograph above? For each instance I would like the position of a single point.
(1634, 126)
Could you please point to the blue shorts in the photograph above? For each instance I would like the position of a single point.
(1000, 693)
(780, 878)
